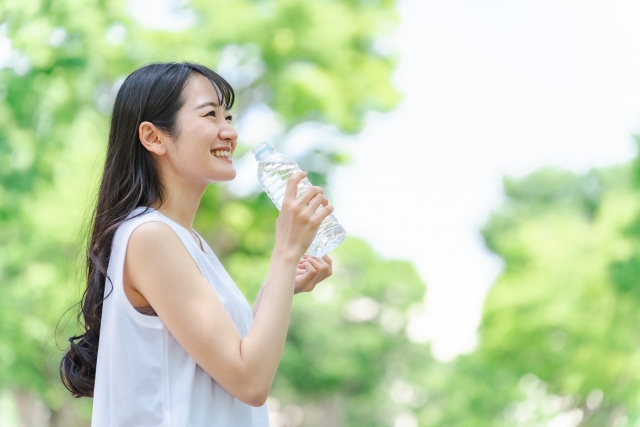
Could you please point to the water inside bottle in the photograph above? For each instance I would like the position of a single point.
(273, 177)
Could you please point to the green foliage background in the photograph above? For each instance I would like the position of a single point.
(559, 337)
(316, 62)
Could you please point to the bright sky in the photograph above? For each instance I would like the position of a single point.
(491, 88)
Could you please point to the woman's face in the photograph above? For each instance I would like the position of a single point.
(206, 139)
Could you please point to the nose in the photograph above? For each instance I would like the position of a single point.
(228, 133)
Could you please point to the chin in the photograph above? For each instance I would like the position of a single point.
(225, 177)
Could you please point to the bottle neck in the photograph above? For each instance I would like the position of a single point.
(262, 151)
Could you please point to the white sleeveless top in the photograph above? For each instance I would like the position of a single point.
(143, 376)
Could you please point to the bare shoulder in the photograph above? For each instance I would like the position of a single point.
(153, 233)
(155, 254)
(155, 238)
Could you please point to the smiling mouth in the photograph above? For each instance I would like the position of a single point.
(222, 153)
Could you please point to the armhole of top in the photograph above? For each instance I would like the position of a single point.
(149, 321)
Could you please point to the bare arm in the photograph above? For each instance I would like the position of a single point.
(161, 269)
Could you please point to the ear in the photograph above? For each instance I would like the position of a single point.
(152, 138)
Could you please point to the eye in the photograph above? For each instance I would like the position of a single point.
(229, 118)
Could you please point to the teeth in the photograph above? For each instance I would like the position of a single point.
(222, 153)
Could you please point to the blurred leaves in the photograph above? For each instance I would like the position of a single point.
(558, 339)
(346, 339)
(62, 64)
(558, 324)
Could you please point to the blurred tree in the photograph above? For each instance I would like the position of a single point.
(559, 337)
(347, 357)
(61, 63)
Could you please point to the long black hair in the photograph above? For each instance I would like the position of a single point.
(153, 93)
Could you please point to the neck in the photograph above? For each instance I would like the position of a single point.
(181, 201)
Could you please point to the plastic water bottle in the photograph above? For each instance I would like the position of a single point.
(274, 169)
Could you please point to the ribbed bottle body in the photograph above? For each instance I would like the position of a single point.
(274, 169)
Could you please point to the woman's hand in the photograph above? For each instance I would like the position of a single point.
(298, 221)
(311, 271)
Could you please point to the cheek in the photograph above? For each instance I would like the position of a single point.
(192, 157)
(197, 146)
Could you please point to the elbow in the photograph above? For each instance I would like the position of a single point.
(247, 383)
(255, 396)
(255, 400)
(258, 401)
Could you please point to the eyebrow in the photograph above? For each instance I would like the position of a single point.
(211, 104)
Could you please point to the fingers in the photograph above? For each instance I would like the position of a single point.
(311, 268)
(324, 212)
(311, 271)
(325, 258)
(329, 262)
(304, 280)
(320, 265)
(313, 261)
(299, 218)
(292, 184)
(315, 203)
(313, 198)
(310, 193)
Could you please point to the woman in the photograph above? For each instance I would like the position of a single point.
(169, 339)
